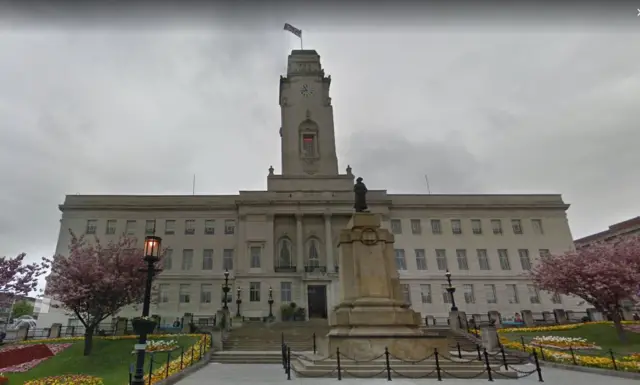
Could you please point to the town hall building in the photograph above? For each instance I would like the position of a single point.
(282, 241)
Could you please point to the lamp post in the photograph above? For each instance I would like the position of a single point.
(451, 290)
(270, 302)
(238, 302)
(151, 256)
(225, 289)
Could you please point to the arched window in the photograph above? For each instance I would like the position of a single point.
(313, 253)
(284, 253)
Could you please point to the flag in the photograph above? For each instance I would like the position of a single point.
(292, 29)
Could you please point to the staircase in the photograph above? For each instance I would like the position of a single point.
(262, 342)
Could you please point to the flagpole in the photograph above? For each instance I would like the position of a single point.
(301, 46)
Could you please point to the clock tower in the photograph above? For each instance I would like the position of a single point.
(307, 134)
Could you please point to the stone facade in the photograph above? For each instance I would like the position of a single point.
(286, 237)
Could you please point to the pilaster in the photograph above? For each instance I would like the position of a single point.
(329, 243)
(299, 244)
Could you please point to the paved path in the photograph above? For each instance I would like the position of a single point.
(274, 374)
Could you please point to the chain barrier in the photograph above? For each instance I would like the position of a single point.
(413, 377)
(464, 377)
(412, 362)
(361, 361)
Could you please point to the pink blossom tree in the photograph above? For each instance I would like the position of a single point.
(96, 281)
(17, 278)
(603, 274)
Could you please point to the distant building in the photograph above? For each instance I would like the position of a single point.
(617, 230)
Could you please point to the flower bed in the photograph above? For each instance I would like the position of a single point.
(160, 346)
(563, 343)
(191, 356)
(535, 329)
(69, 379)
(21, 358)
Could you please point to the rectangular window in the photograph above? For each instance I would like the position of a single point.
(229, 227)
(503, 255)
(111, 226)
(436, 226)
(555, 298)
(207, 259)
(496, 226)
(476, 225)
(543, 252)
(483, 259)
(512, 294)
(189, 227)
(130, 227)
(461, 256)
(406, 293)
(255, 252)
(456, 226)
(150, 227)
(446, 297)
(416, 228)
(517, 226)
(469, 295)
(170, 226)
(187, 259)
(185, 293)
(163, 292)
(421, 259)
(425, 293)
(285, 291)
(254, 291)
(210, 226)
(167, 259)
(205, 293)
(537, 226)
(441, 259)
(401, 262)
(309, 146)
(396, 226)
(227, 259)
(534, 294)
(92, 225)
(525, 261)
(490, 291)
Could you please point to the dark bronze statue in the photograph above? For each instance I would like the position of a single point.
(360, 191)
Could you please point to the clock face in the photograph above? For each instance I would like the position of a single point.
(306, 91)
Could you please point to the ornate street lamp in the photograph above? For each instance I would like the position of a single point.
(270, 302)
(226, 289)
(143, 326)
(451, 290)
(238, 302)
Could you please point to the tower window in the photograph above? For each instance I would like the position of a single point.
(309, 145)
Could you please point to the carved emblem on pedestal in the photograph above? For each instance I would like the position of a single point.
(369, 236)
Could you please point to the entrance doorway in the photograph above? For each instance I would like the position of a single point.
(317, 299)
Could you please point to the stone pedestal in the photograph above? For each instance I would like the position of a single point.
(372, 313)
(489, 335)
(121, 326)
(561, 316)
(527, 318)
(455, 320)
(55, 331)
(594, 315)
(495, 317)
(23, 332)
(187, 320)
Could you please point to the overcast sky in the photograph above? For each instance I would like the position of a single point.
(122, 110)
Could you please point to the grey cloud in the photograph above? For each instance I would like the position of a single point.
(141, 111)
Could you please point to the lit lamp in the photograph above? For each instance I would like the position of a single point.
(451, 290)
(238, 302)
(143, 326)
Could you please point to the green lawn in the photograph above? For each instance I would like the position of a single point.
(601, 334)
(110, 360)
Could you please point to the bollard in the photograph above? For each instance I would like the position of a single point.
(435, 353)
(288, 363)
(535, 358)
(486, 361)
(338, 362)
(613, 360)
(166, 374)
(459, 351)
(386, 359)
(314, 342)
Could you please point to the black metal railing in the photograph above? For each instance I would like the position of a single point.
(312, 268)
(285, 269)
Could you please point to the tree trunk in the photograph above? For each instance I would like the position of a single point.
(617, 323)
(88, 340)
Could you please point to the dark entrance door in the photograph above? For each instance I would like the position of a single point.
(317, 299)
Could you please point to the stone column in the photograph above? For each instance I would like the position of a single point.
(561, 316)
(328, 242)
(55, 331)
(454, 320)
(271, 251)
(489, 336)
(527, 317)
(299, 244)
(23, 332)
(187, 319)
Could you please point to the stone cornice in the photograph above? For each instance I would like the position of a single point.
(378, 201)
